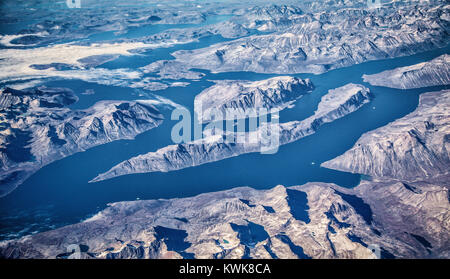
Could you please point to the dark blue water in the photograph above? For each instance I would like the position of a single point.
(59, 194)
(153, 55)
(250, 234)
(151, 29)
